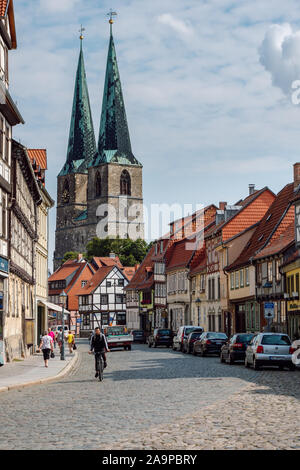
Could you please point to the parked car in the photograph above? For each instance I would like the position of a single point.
(182, 333)
(270, 349)
(188, 342)
(161, 337)
(210, 342)
(235, 348)
(138, 336)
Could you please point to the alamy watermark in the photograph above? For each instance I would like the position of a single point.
(154, 222)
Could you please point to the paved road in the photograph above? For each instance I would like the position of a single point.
(143, 389)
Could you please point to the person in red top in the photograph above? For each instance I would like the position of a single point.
(52, 334)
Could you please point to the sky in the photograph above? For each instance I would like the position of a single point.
(207, 88)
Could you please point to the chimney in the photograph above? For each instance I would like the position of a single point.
(222, 205)
(251, 189)
(296, 175)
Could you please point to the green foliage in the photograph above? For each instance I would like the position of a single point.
(70, 255)
(130, 252)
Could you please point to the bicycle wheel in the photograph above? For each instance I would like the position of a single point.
(101, 368)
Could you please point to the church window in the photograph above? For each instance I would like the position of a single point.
(98, 184)
(125, 184)
(66, 193)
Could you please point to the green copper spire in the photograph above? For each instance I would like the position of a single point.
(82, 143)
(114, 141)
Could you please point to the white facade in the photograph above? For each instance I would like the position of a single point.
(106, 305)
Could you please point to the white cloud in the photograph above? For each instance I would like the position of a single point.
(178, 25)
(280, 55)
(58, 6)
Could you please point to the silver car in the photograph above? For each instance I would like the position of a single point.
(270, 349)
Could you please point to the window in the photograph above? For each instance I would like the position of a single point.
(66, 192)
(119, 299)
(259, 273)
(1, 136)
(104, 299)
(278, 274)
(98, 184)
(83, 283)
(4, 225)
(219, 289)
(108, 283)
(121, 282)
(237, 279)
(241, 278)
(6, 156)
(125, 184)
(232, 281)
(270, 271)
(247, 276)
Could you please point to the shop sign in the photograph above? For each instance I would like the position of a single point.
(3, 264)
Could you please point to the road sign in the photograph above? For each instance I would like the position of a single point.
(269, 310)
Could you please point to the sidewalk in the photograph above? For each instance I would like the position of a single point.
(32, 371)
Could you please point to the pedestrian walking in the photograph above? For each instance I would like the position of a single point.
(47, 347)
(59, 339)
(70, 341)
(52, 334)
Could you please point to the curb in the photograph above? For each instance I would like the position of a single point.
(65, 371)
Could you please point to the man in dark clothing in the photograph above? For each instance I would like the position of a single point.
(99, 345)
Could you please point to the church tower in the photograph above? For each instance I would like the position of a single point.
(115, 192)
(99, 190)
(72, 181)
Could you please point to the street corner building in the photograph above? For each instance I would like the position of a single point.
(99, 189)
(24, 206)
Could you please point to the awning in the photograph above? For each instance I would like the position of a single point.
(54, 307)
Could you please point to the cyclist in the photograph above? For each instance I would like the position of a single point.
(99, 345)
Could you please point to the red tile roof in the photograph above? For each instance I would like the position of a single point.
(279, 243)
(102, 261)
(142, 278)
(270, 223)
(63, 272)
(39, 156)
(130, 271)
(3, 7)
(94, 282)
(180, 254)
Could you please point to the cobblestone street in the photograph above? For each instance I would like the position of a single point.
(155, 399)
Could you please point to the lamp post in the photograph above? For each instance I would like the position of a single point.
(198, 302)
(63, 301)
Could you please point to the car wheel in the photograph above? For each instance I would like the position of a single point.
(230, 360)
(292, 367)
(255, 364)
(194, 352)
(222, 358)
(202, 353)
(129, 348)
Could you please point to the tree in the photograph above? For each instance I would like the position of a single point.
(130, 252)
(70, 255)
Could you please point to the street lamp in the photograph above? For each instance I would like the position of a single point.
(63, 301)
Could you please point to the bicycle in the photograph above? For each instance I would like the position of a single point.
(99, 365)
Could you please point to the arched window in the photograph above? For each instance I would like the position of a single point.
(125, 184)
(66, 193)
(98, 184)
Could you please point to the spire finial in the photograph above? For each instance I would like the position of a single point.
(81, 37)
(111, 15)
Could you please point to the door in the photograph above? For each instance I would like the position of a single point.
(240, 319)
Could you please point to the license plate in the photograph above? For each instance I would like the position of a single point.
(276, 358)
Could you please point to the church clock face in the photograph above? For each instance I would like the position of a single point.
(297, 222)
